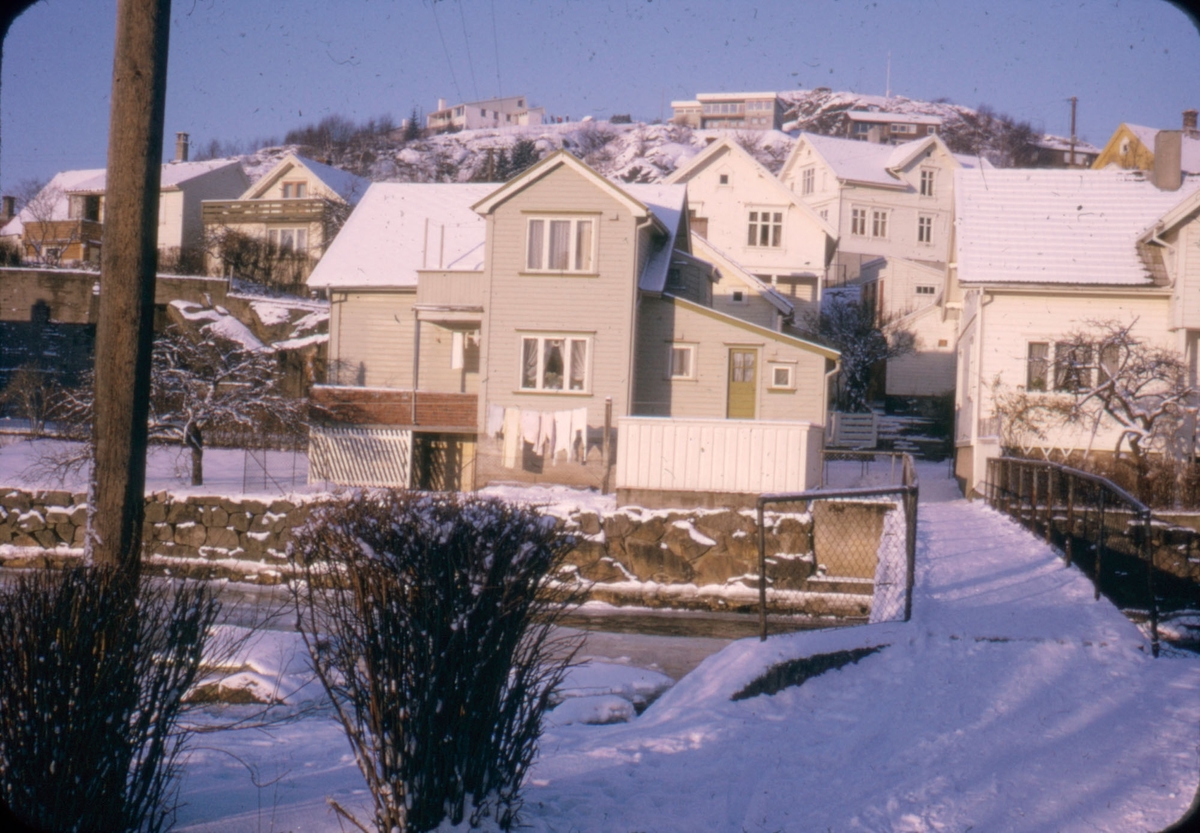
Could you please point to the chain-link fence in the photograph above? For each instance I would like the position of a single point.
(1147, 563)
(852, 552)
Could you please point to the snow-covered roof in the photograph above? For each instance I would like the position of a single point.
(706, 250)
(1052, 142)
(871, 163)
(399, 228)
(54, 194)
(667, 203)
(728, 96)
(884, 117)
(173, 175)
(1057, 226)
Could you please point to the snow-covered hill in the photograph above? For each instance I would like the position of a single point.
(640, 152)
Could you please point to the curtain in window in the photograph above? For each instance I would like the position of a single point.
(552, 364)
(560, 245)
(583, 246)
(537, 228)
(529, 363)
(578, 363)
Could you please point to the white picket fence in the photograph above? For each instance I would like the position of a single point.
(717, 455)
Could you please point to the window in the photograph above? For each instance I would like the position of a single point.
(927, 178)
(924, 229)
(765, 229)
(926, 289)
(858, 221)
(724, 179)
(1037, 365)
(1072, 366)
(1110, 363)
(554, 363)
(808, 180)
(738, 296)
(879, 223)
(683, 361)
(561, 245)
(782, 377)
(286, 240)
(294, 190)
(904, 128)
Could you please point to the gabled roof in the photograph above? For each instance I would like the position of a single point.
(728, 146)
(346, 185)
(1057, 226)
(398, 229)
(726, 265)
(734, 321)
(54, 192)
(555, 160)
(869, 163)
(173, 175)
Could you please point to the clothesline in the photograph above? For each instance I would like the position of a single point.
(549, 432)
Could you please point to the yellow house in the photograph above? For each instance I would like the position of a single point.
(1131, 146)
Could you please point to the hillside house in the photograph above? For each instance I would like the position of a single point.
(740, 111)
(278, 228)
(749, 216)
(1061, 152)
(63, 223)
(882, 127)
(1132, 147)
(510, 111)
(1094, 246)
(537, 331)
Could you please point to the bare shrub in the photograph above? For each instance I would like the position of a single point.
(427, 624)
(92, 678)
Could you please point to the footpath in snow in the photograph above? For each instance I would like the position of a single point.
(1011, 702)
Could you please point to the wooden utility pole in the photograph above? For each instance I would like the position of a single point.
(1074, 100)
(128, 259)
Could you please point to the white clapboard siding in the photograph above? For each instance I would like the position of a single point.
(360, 456)
(717, 455)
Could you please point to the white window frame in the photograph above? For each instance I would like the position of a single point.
(928, 182)
(774, 368)
(576, 265)
(768, 220)
(299, 239)
(808, 180)
(686, 349)
(925, 229)
(925, 289)
(879, 223)
(858, 221)
(539, 383)
(295, 190)
(738, 296)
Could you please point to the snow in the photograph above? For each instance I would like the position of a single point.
(220, 324)
(1011, 701)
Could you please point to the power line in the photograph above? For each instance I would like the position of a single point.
(470, 63)
(453, 77)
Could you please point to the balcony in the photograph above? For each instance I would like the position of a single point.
(445, 294)
(435, 411)
(237, 212)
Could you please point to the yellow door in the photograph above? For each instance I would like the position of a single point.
(743, 387)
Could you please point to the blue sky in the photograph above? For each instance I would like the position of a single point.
(244, 69)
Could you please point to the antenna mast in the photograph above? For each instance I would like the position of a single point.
(888, 92)
(1074, 100)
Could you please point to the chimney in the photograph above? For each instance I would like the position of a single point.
(441, 104)
(8, 208)
(1189, 124)
(1168, 153)
(181, 147)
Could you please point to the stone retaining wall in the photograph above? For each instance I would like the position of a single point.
(705, 559)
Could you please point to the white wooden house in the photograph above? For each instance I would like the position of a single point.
(525, 332)
(1042, 253)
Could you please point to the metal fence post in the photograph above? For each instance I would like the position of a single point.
(762, 574)
(1070, 541)
(1099, 551)
(1049, 504)
(1148, 554)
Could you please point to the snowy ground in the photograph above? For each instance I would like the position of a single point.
(1011, 701)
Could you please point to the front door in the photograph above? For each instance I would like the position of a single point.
(743, 385)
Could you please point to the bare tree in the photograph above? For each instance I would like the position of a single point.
(1145, 390)
(47, 233)
(199, 385)
(852, 327)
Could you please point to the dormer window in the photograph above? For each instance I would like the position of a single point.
(561, 244)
